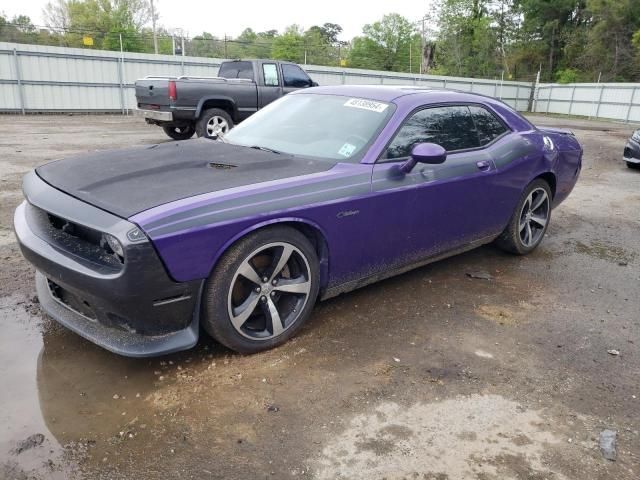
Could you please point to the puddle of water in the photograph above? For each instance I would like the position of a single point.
(83, 399)
(20, 415)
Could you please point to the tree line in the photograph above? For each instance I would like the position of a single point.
(565, 40)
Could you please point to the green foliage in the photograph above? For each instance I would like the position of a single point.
(390, 44)
(289, 45)
(567, 75)
(467, 43)
(566, 40)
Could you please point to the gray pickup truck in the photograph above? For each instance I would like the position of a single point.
(210, 106)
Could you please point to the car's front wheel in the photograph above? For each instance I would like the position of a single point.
(262, 290)
(530, 220)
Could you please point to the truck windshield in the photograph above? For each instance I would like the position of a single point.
(322, 126)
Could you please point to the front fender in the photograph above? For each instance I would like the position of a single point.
(323, 254)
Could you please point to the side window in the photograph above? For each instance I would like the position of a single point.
(450, 127)
(236, 70)
(294, 76)
(270, 72)
(488, 126)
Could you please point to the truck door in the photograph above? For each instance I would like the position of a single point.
(269, 89)
(293, 78)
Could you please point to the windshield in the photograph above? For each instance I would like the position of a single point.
(323, 126)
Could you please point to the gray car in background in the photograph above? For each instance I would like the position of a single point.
(631, 153)
(210, 106)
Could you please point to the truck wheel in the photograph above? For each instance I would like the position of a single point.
(213, 122)
(262, 290)
(184, 132)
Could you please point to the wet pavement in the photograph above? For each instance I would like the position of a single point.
(433, 374)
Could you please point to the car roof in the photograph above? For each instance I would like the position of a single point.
(389, 93)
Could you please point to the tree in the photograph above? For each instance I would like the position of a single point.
(610, 39)
(104, 20)
(289, 45)
(385, 45)
(467, 43)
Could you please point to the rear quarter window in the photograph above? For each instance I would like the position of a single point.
(236, 70)
(489, 127)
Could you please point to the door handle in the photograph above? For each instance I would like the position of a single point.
(483, 165)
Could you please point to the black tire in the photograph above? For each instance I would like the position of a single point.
(256, 333)
(635, 166)
(211, 114)
(511, 240)
(184, 132)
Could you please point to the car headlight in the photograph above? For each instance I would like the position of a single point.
(636, 135)
(114, 244)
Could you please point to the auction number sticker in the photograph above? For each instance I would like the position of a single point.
(366, 104)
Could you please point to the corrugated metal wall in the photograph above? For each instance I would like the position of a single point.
(618, 101)
(36, 78)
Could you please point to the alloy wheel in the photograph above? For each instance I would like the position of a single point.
(269, 291)
(534, 217)
(217, 126)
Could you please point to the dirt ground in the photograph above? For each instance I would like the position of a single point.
(429, 375)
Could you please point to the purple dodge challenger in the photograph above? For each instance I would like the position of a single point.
(323, 191)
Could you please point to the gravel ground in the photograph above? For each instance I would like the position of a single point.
(429, 375)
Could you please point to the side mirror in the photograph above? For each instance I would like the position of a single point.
(313, 84)
(430, 153)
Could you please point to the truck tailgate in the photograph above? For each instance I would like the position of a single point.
(152, 92)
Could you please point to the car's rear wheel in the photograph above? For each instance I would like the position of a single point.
(183, 132)
(213, 123)
(530, 220)
(633, 165)
(262, 290)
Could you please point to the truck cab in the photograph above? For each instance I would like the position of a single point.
(211, 106)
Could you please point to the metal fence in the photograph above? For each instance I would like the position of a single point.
(618, 101)
(36, 78)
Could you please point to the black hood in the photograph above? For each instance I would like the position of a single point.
(126, 182)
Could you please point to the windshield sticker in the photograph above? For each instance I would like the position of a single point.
(366, 104)
(347, 150)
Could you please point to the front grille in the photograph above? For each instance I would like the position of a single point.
(72, 301)
(78, 240)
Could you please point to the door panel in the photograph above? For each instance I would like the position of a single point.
(439, 208)
(435, 208)
(270, 87)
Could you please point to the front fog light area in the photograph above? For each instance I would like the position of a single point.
(113, 244)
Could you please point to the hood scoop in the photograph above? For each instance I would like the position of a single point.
(221, 166)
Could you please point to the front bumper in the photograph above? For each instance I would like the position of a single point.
(631, 152)
(134, 308)
(154, 115)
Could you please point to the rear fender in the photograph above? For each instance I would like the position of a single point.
(218, 98)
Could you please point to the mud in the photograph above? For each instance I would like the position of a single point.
(429, 375)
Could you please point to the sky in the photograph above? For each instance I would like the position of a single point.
(230, 17)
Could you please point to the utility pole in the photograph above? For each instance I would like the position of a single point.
(155, 33)
(225, 46)
(422, 45)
